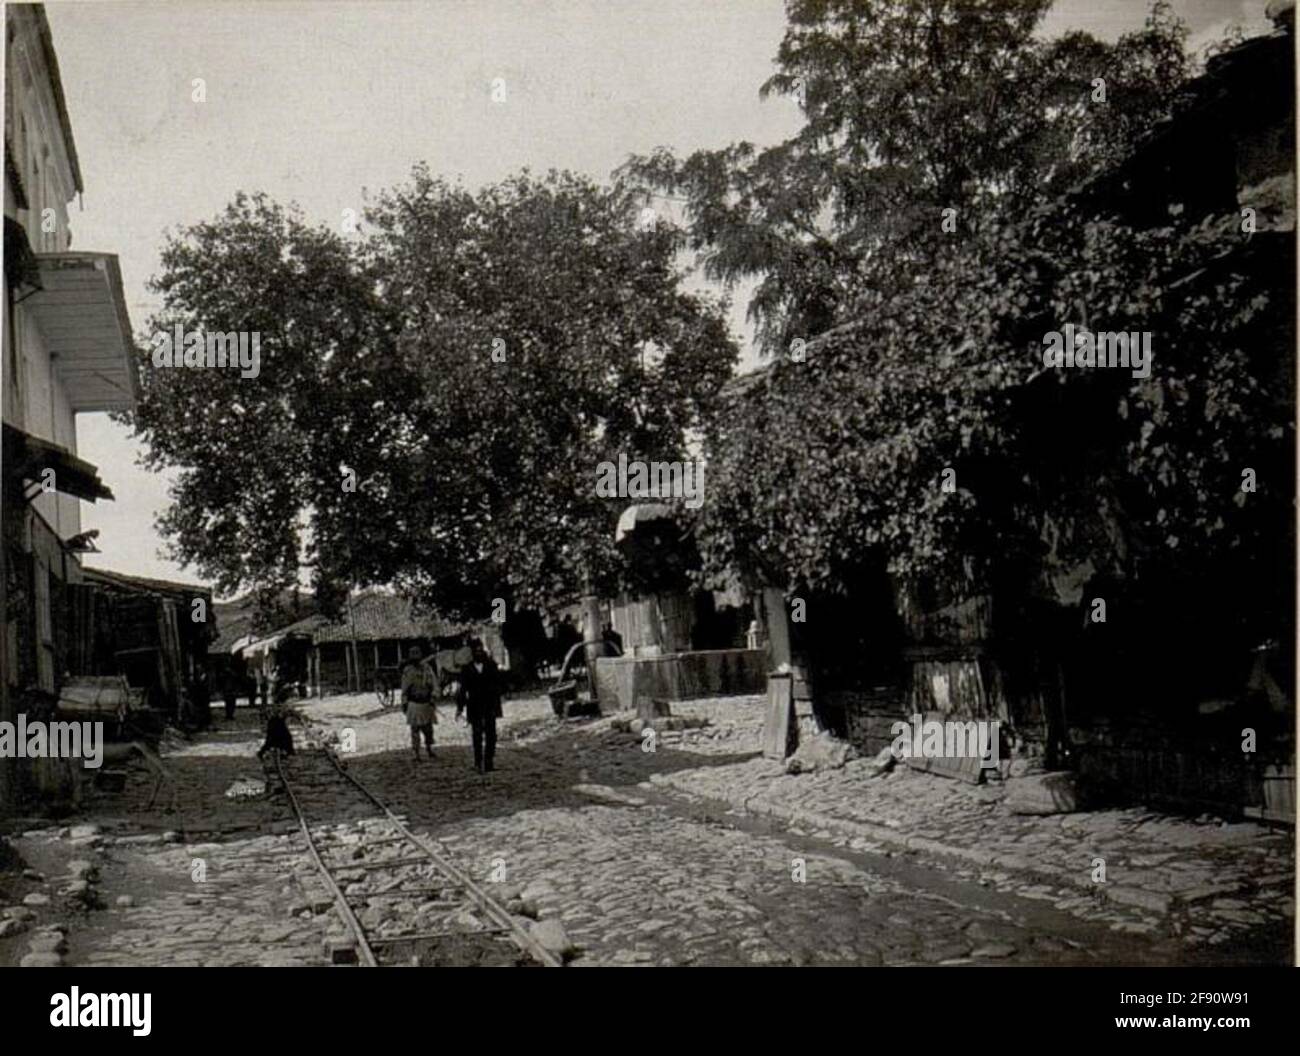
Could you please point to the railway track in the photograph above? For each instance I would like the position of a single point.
(403, 900)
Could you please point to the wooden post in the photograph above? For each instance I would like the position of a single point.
(356, 657)
(591, 636)
(777, 619)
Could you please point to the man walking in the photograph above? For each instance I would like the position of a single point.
(480, 697)
(419, 684)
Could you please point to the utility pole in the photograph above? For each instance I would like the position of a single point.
(594, 646)
(352, 628)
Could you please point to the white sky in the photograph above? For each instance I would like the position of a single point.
(313, 102)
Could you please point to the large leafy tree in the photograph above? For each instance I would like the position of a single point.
(1055, 474)
(260, 459)
(434, 398)
(552, 332)
(920, 430)
(911, 107)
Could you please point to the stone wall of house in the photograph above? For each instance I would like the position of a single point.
(681, 676)
(1144, 762)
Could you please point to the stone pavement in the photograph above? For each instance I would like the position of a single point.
(536, 814)
(196, 878)
(636, 880)
(1205, 879)
(700, 852)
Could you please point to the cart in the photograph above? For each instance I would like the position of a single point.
(566, 700)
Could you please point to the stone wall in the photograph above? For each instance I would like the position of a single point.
(1148, 763)
(680, 676)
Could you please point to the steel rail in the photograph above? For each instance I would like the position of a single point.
(486, 902)
(367, 954)
(506, 923)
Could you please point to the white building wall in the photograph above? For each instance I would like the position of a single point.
(65, 435)
(38, 402)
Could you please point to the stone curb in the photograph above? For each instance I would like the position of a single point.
(1118, 893)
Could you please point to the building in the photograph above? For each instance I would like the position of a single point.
(370, 637)
(1144, 712)
(67, 350)
(678, 643)
(155, 633)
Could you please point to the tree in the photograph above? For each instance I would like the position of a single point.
(551, 333)
(917, 112)
(434, 399)
(925, 360)
(261, 458)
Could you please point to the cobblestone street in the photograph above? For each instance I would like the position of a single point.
(701, 852)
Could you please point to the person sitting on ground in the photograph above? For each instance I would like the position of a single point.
(419, 685)
(278, 737)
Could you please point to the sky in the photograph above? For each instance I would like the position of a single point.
(316, 102)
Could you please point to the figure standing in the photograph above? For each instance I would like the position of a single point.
(480, 698)
(612, 639)
(230, 690)
(419, 684)
(278, 738)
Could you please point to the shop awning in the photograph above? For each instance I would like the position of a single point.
(261, 646)
(26, 458)
(81, 312)
(639, 516)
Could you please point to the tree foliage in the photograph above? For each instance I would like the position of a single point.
(928, 342)
(911, 107)
(258, 457)
(433, 398)
(552, 333)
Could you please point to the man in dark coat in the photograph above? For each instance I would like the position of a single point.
(480, 698)
(230, 690)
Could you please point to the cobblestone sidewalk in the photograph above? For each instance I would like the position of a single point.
(1206, 878)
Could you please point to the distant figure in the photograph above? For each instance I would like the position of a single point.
(480, 698)
(201, 698)
(613, 641)
(419, 687)
(566, 637)
(568, 634)
(278, 737)
(230, 691)
(249, 684)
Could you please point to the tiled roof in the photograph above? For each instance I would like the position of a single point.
(236, 618)
(743, 384)
(375, 617)
(160, 586)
